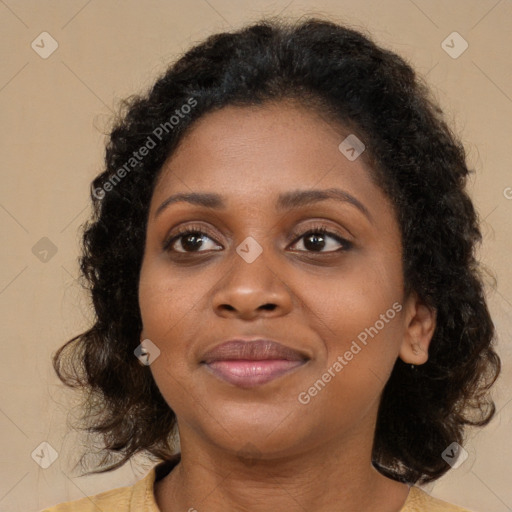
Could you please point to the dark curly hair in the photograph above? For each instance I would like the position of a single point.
(414, 157)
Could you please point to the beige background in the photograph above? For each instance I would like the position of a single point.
(54, 112)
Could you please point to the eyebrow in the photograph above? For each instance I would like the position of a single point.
(286, 201)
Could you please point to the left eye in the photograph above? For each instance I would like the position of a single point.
(316, 240)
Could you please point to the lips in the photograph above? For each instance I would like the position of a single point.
(252, 363)
(255, 350)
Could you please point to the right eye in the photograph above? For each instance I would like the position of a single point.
(189, 239)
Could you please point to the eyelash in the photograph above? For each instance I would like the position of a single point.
(323, 231)
(297, 235)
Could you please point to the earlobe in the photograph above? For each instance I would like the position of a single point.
(420, 324)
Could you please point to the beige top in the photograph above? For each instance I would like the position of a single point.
(140, 498)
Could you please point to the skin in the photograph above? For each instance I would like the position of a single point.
(261, 449)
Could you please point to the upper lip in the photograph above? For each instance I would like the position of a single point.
(253, 350)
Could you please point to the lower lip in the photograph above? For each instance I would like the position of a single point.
(249, 374)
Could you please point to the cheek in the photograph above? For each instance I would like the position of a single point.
(361, 349)
(166, 300)
(353, 301)
(165, 308)
(171, 309)
(358, 317)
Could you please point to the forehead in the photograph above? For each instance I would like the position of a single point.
(255, 153)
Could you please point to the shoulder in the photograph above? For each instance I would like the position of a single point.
(419, 501)
(123, 499)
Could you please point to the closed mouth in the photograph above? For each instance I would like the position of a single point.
(248, 364)
(257, 350)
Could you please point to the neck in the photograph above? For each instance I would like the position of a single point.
(333, 476)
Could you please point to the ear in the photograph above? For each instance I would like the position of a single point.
(420, 323)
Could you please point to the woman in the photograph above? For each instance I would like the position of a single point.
(281, 262)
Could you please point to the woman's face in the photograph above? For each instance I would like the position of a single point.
(335, 299)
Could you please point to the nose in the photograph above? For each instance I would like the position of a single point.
(252, 290)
